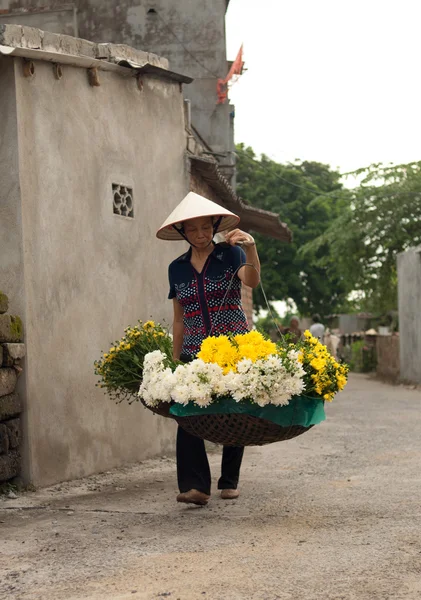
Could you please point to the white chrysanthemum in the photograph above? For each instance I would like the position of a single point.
(266, 381)
(157, 380)
(198, 382)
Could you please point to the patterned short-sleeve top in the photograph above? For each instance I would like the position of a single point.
(201, 295)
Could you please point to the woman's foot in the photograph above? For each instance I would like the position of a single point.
(193, 497)
(229, 494)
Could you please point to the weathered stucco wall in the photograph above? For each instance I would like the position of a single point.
(409, 292)
(190, 33)
(88, 272)
(56, 20)
(163, 26)
(11, 251)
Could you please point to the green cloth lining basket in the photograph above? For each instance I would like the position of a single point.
(244, 423)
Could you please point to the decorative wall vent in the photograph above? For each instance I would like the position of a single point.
(123, 200)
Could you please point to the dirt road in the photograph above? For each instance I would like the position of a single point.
(334, 514)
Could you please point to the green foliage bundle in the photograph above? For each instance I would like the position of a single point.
(120, 370)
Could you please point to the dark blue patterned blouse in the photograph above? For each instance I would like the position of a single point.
(201, 294)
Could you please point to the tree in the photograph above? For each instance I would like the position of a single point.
(308, 197)
(381, 218)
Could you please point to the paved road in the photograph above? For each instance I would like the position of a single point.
(332, 515)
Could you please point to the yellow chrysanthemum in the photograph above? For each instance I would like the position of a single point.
(219, 350)
(341, 381)
(227, 353)
(318, 364)
(254, 346)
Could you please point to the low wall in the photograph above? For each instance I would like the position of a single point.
(11, 353)
(387, 348)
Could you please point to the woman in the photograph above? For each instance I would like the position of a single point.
(205, 287)
(293, 330)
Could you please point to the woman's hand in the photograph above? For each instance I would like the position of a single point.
(250, 272)
(240, 238)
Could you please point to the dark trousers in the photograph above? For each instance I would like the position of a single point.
(193, 470)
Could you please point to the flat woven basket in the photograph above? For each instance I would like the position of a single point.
(231, 429)
(162, 409)
(238, 429)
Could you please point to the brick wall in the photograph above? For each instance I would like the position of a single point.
(387, 349)
(11, 353)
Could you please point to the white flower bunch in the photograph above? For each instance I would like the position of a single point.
(158, 380)
(193, 382)
(267, 381)
(273, 380)
(197, 382)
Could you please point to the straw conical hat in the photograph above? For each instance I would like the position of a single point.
(192, 207)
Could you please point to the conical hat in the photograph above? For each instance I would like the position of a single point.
(192, 207)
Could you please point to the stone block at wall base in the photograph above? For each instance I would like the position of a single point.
(11, 328)
(8, 379)
(13, 431)
(9, 465)
(12, 353)
(4, 439)
(10, 406)
(4, 303)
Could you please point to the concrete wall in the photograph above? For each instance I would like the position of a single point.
(190, 33)
(387, 353)
(56, 20)
(88, 272)
(352, 323)
(11, 249)
(409, 293)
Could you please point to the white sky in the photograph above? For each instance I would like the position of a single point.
(336, 81)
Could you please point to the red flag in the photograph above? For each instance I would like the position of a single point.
(236, 69)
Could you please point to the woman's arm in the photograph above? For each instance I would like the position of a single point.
(178, 329)
(249, 275)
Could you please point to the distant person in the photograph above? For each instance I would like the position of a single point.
(293, 330)
(332, 343)
(317, 329)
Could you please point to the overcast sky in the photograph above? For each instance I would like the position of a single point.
(328, 80)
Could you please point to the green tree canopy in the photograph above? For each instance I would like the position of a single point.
(307, 196)
(381, 217)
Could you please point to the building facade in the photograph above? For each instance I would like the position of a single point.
(91, 162)
(189, 33)
(96, 149)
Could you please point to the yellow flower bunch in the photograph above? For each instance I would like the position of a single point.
(228, 351)
(324, 375)
(121, 368)
(254, 346)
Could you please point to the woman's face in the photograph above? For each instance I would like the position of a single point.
(199, 231)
